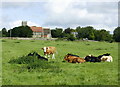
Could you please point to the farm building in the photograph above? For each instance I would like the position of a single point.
(41, 32)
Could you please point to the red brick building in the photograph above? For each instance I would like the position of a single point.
(41, 32)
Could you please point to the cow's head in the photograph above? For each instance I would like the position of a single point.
(88, 58)
(44, 49)
(66, 57)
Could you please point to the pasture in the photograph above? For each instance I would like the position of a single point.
(57, 72)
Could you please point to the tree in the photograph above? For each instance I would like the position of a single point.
(116, 34)
(85, 32)
(70, 37)
(67, 31)
(4, 32)
(0, 33)
(57, 33)
(103, 35)
(21, 31)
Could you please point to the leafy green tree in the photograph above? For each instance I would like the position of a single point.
(85, 32)
(53, 33)
(97, 35)
(116, 34)
(4, 32)
(21, 31)
(103, 35)
(78, 28)
(57, 33)
(0, 33)
(67, 31)
(70, 37)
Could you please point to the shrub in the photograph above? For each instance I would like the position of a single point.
(3, 40)
(31, 62)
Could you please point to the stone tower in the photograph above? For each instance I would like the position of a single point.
(24, 23)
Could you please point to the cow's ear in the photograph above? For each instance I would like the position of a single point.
(42, 48)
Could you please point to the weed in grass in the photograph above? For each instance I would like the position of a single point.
(32, 41)
(17, 42)
(99, 49)
(40, 77)
(3, 40)
(87, 44)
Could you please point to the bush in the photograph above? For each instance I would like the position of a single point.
(32, 62)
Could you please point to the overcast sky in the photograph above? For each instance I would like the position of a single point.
(60, 13)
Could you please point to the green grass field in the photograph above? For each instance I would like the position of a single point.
(61, 73)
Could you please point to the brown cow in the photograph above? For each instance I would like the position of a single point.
(74, 59)
(49, 51)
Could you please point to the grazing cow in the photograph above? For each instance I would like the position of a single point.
(73, 58)
(49, 51)
(37, 55)
(92, 58)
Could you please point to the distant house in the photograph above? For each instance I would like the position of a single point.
(74, 34)
(41, 32)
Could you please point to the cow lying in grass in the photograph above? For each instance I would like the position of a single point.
(91, 58)
(105, 57)
(37, 55)
(49, 51)
(73, 58)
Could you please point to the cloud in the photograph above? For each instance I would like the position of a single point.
(72, 14)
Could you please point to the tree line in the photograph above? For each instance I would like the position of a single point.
(86, 32)
(69, 34)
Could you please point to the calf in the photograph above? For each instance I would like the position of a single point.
(73, 59)
(49, 51)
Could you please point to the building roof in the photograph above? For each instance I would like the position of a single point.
(36, 29)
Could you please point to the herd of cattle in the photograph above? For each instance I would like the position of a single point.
(72, 58)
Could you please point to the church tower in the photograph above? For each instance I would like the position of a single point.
(24, 23)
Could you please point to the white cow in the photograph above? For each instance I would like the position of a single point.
(107, 58)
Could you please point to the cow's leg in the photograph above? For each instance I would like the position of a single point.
(48, 56)
(53, 56)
